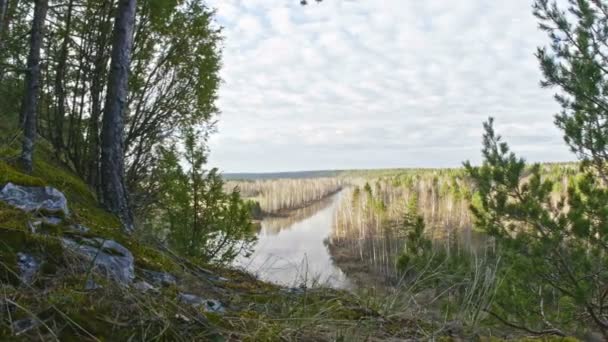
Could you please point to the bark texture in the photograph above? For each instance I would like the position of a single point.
(114, 192)
(3, 7)
(32, 85)
(60, 79)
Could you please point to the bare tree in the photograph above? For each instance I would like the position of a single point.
(114, 191)
(32, 85)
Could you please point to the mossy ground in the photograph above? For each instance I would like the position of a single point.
(65, 311)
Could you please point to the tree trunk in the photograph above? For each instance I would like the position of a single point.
(60, 79)
(32, 85)
(97, 86)
(3, 8)
(115, 196)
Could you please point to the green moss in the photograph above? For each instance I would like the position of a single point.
(46, 248)
(9, 174)
(12, 218)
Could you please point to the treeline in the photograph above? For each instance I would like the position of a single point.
(280, 195)
(370, 222)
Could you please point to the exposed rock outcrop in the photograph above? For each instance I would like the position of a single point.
(107, 256)
(35, 199)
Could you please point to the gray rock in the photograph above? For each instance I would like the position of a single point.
(22, 326)
(78, 228)
(213, 305)
(159, 278)
(209, 305)
(51, 220)
(91, 285)
(108, 256)
(30, 199)
(190, 299)
(28, 267)
(144, 286)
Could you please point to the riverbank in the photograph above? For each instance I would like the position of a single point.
(293, 211)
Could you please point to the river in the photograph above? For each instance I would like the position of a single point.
(291, 251)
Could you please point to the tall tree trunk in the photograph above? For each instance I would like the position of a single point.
(3, 24)
(3, 8)
(97, 86)
(115, 196)
(32, 85)
(60, 79)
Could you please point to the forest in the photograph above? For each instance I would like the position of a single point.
(114, 225)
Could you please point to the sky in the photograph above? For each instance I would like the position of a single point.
(351, 84)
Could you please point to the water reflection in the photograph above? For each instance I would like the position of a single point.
(274, 225)
(291, 250)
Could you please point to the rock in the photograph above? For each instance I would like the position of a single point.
(108, 256)
(209, 305)
(24, 325)
(144, 286)
(78, 228)
(51, 220)
(91, 285)
(213, 305)
(28, 267)
(190, 299)
(159, 278)
(45, 199)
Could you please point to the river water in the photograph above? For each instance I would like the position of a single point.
(291, 251)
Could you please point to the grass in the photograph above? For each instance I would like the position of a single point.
(62, 309)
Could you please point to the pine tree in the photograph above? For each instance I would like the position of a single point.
(556, 250)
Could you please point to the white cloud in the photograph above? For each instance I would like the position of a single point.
(347, 84)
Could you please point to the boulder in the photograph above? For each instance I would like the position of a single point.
(35, 199)
(209, 305)
(108, 256)
(28, 267)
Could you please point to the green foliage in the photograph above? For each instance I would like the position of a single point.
(412, 228)
(555, 256)
(555, 249)
(576, 63)
(194, 214)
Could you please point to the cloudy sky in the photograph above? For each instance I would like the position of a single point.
(378, 83)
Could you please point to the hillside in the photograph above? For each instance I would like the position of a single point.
(51, 290)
